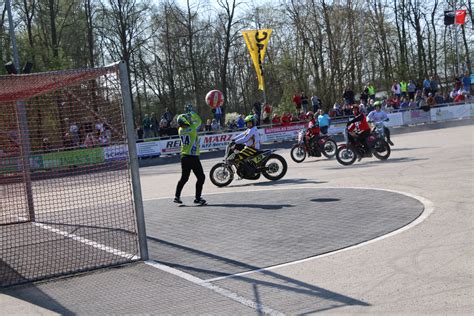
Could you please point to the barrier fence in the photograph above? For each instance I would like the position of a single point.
(268, 134)
(66, 210)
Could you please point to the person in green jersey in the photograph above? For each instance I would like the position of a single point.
(188, 124)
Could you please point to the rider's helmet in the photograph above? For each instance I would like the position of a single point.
(310, 113)
(378, 104)
(250, 118)
(183, 119)
(355, 108)
(188, 108)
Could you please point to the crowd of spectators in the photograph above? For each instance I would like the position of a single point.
(404, 95)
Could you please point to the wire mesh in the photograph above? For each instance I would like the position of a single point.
(66, 201)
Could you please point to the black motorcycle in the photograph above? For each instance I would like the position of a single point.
(270, 165)
(348, 152)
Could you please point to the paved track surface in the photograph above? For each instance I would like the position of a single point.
(425, 269)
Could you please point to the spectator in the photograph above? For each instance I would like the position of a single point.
(371, 91)
(218, 114)
(168, 116)
(232, 126)
(99, 126)
(267, 112)
(447, 98)
(276, 119)
(302, 116)
(348, 96)
(46, 144)
(173, 128)
(439, 98)
(257, 111)
(411, 90)
(207, 126)
(460, 97)
(412, 104)
(430, 101)
(147, 126)
(403, 88)
(404, 104)
(421, 104)
(297, 101)
(364, 95)
(139, 133)
(74, 134)
(466, 82)
(324, 121)
(240, 122)
(295, 118)
(426, 86)
(346, 110)
(155, 125)
(453, 94)
(304, 102)
(316, 103)
(457, 83)
(392, 104)
(433, 85)
(91, 140)
(337, 109)
(396, 90)
(286, 119)
(371, 106)
(163, 127)
(215, 126)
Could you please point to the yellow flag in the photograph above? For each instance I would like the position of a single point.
(257, 42)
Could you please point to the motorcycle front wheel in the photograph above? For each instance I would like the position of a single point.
(329, 149)
(221, 175)
(382, 150)
(346, 155)
(275, 167)
(298, 153)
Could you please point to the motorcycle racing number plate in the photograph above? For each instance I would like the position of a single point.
(258, 158)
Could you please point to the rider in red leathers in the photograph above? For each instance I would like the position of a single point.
(360, 127)
(312, 133)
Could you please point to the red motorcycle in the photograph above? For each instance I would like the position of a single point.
(323, 143)
(350, 151)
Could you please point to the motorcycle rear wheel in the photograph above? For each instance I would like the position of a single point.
(382, 150)
(298, 153)
(329, 149)
(221, 175)
(346, 155)
(275, 167)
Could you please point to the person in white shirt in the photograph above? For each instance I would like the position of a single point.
(247, 142)
(378, 116)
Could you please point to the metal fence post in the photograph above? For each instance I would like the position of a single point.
(132, 151)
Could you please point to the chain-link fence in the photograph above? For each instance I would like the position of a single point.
(66, 201)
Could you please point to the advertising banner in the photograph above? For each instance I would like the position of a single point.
(216, 141)
(395, 119)
(281, 133)
(148, 149)
(69, 158)
(417, 116)
(170, 146)
(116, 152)
(451, 112)
(336, 129)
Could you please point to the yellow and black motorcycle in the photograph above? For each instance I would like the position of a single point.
(270, 165)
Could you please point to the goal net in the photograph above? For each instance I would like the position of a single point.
(66, 202)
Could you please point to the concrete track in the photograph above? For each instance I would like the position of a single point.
(423, 269)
